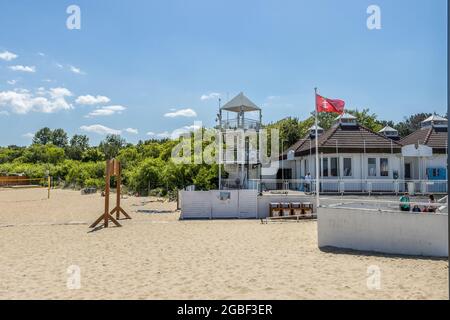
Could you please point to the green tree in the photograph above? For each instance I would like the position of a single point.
(206, 178)
(92, 154)
(44, 154)
(59, 138)
(43, 136)
(112, 145)
(79, 143)
(146, 176)
(367, 119)
(411, 123)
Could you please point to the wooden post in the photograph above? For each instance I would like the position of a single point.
(113, 168)
(49, 186)
(107, 186)
(118, 189)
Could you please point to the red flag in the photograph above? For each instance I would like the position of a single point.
(329, 105)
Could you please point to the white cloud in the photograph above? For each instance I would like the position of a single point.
(4, 113)
(12, 82)
(132, 130)
(76, 70)
(92, 100)
(59, 65)
(175, 134)
(100, 129)
(181, 113)
(7, 56)
(106, 111)
(41, 54)
(22, 101)
(209, 96)
(31, 69)
(28, 135)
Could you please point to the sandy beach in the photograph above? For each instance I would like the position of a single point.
(157, 256)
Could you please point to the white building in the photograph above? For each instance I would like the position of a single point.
(425, 150)
(352, 158)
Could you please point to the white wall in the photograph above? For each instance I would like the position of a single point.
(437, 161)
(208, 204)
(242, 204)
(386, 232)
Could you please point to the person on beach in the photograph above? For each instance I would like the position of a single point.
(404, 199)
(308, 182)
(430, 207)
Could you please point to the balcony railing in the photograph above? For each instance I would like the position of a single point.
(350, 186)
(246, 124)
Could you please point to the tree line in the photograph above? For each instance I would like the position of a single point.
(147, 167)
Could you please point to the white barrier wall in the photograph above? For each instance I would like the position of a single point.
(385, 232)
(218, 204)
(240, 204)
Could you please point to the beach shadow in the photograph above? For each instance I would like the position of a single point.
(335, 250)
(96, 229)
(153, 211)
(100, 228)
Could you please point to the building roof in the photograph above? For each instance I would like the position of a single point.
(348, 139)
(240, 103)
(433, 137)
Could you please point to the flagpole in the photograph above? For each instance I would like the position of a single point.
(316, 138)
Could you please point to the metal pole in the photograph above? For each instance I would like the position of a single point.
(220, 147)
(282, 162)
(317, 153)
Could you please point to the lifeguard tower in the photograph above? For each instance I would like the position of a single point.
(238, 118)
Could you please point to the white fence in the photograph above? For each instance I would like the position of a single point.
(384, 231)
(367, 186)
(219, 204)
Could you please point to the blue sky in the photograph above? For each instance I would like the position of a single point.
(147, 64)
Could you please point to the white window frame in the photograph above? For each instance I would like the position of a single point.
(337, 167)
(343, 167)
(376, 167)
(388, 169)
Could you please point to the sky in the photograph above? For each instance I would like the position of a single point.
(150, 69)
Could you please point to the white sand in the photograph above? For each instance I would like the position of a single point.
(156, 256)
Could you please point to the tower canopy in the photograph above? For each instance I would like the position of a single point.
(240, 103)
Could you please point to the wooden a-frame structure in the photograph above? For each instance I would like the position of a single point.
(113, 168)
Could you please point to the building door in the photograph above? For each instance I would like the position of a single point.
(407, 170)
